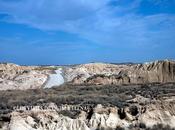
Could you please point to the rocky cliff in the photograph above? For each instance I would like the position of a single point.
(99, 73)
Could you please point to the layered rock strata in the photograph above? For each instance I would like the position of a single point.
(99, 73)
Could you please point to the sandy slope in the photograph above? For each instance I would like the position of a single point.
(55, 79)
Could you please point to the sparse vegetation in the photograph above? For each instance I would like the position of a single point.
(85, 95)
(82, 95)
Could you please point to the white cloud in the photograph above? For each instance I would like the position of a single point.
(91, 19)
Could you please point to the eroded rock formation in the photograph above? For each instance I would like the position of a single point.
(13, 76)
(99, 73)
(100, 117)
(31, 77)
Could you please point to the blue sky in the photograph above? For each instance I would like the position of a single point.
(36, 32)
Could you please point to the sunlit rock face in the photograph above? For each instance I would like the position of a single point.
(55, 79)
(21, 77)
(99, 73)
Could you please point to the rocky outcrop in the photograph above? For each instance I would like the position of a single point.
(13, 76)
(96, 118)
(99, 73)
